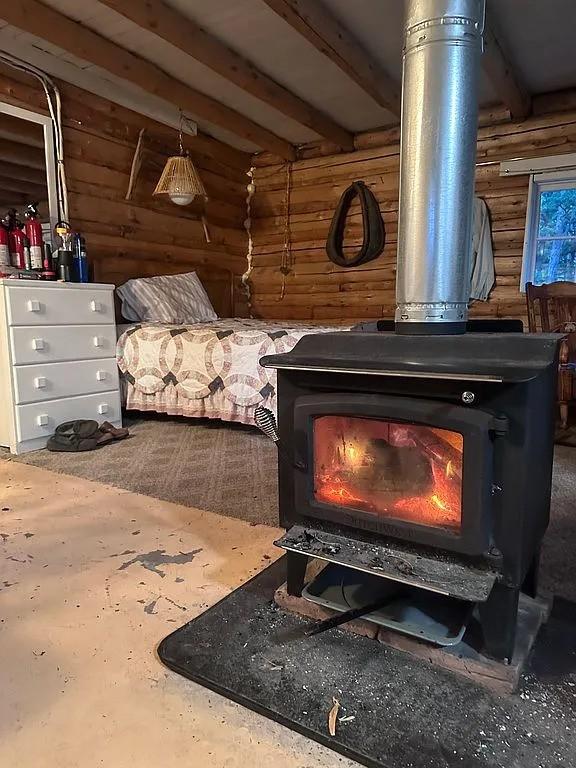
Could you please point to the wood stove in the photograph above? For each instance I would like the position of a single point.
(425, 456)
(425, 459)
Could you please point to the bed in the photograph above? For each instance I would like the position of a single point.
(208, 369)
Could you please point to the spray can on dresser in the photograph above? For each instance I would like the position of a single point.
(48, 271)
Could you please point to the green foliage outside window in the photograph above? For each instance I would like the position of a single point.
(556, 238)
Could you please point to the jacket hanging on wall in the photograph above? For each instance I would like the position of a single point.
(373, 226)
(483, 273)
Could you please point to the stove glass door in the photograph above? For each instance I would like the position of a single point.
(390, 470)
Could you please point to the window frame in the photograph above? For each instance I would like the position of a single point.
(540, 182)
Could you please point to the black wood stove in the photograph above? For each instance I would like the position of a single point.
(424, 459)
(425, 455)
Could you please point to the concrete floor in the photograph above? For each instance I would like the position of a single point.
(93, 578)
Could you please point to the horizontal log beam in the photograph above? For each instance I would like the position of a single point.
(13, 152)
(183, 33)
(22, 131)
(503, 76)
(316, 24)
(23, 173)
(33, 191)
(45, 22)
(12, 200)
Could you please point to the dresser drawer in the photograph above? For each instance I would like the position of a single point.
(34, 383)
(58, 343)
(41, 419)
(27, 305)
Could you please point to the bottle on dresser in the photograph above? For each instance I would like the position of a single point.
(65, 259)
(80, 259)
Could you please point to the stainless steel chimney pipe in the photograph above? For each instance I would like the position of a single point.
(443, 45)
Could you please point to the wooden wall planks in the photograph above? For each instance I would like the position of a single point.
(316, 289)
(143, 236)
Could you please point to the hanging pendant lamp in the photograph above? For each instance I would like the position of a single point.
(180, 179)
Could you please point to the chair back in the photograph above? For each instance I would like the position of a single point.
(556, 306)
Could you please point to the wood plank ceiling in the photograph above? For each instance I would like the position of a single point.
(270, 74)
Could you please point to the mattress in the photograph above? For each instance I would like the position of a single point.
(206, 370)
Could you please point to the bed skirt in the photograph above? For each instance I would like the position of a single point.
(171, 402)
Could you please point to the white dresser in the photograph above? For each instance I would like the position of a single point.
(57, 359)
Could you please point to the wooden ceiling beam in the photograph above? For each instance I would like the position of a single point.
(503, 77)
(21, 154)
(315, 23)
(183, 33)
(75, 38)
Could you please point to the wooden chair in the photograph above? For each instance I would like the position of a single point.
(557, 313)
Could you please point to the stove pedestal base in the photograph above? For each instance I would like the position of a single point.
(463, 659)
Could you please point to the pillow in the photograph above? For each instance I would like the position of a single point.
(176, 299)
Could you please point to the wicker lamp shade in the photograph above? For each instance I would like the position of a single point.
(180, 181)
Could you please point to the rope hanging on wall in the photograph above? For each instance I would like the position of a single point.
(373, 227)
(286, 260)
(245, 279)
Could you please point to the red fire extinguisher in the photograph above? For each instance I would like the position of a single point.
(4, 245)
(17, 246)
(34, 235)
(15, 240)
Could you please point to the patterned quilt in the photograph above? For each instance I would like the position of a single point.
(205, 370)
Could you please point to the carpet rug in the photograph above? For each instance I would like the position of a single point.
(225, 468)
(230, 469)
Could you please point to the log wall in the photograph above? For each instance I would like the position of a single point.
(143, 236)
(318, 290)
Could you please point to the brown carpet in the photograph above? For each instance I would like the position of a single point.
(231, 469)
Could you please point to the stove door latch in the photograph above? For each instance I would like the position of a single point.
(499, 426)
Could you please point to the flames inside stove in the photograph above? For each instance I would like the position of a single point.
(408, 472)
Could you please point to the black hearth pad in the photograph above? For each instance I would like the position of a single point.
(406, 713)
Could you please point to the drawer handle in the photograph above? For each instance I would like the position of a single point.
(33, 306)
(42, 420)
(98, 341)
(101, 375)
(40, 382)
(37, 343)
(103, 408)
(95, 306)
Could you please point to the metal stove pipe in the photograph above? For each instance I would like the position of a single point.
(443, 44)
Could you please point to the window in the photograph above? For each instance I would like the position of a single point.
(550, 238)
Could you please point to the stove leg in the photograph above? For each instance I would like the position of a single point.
(530, 585)
(296, 565)
(498, 618)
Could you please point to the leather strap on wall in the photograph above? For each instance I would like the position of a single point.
(373, 225)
